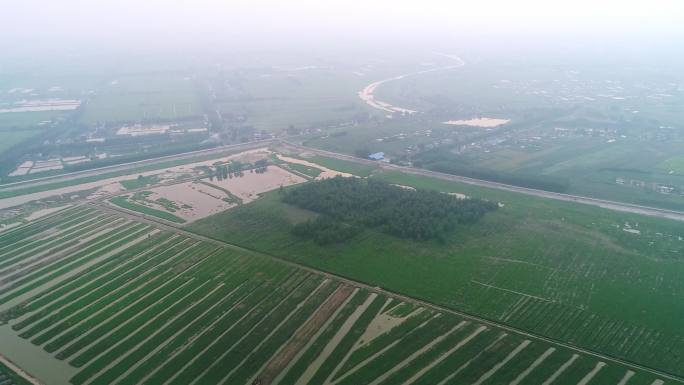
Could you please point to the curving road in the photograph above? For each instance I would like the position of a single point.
(367, 96)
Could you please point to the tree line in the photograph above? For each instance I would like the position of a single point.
(405, 213)
(235, 169)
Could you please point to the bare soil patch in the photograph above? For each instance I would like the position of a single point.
(43, 212)
(304, 334)
(249, 186)
(194, 200)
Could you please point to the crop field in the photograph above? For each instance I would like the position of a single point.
(24, 120)
(674, 164)
(123, 202)
(625, 169)
(309, 172)
(357, 169)
(190, 201)
(303, 99)
(595, 132)
(125, 303)
(594, 278)
(143, 97)
(9, 377)
(9, 139)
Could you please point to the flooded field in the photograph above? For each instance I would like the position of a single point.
(249, 186)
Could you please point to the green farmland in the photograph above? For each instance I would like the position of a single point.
(594, 278)
(140, 97)
(9, 139)
(123, 202)
(9, 377)
(104, 300)
(278, 99)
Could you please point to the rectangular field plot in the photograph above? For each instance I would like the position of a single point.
(143, 97)
(127, 303)
(187, 202)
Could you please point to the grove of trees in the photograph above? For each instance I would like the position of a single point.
(405, 213)
(325, 230)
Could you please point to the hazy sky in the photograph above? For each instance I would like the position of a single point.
(267, 23)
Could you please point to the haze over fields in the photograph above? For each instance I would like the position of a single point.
(341, 192)
(338, 24)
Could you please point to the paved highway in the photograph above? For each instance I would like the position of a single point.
(606, 204)
(126, 166)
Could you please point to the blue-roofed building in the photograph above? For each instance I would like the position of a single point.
(377, 156)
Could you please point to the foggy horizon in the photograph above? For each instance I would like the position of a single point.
(301, 25)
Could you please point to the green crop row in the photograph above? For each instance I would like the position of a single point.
(208, 309)
(123, 202)
(382, 341)
(111, 298)
(34, 242)
(158, 338)
(22, 232)
(458, 358)
(246, 329)
(30, 235)
(348, 341)
(486, 359)
(95, 310)
(317, 346)
(256, 358)
(137, 318)
(190, 333)
(64, 265)
(73, 287)
(83, 300)
(431, 356)
(98, 330)
(413, 340)
(107, 290)
(247, 356)
(110, 349)
(237, 321)
(57, 244)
